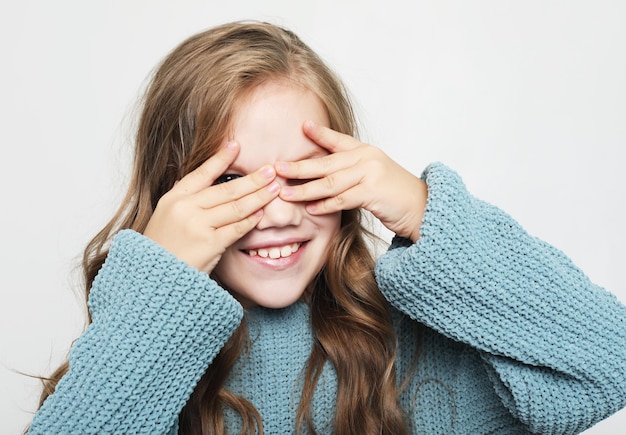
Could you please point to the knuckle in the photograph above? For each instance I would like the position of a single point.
(204, 171)
(241, 228)
(237, 209)
(228, 189)
(339, 200)
(180, 211)
(329, 182)
(326, 162)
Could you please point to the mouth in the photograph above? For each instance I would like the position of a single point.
(274, 252)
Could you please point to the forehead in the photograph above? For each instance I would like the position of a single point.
(268, 124)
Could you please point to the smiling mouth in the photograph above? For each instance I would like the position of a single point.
(275, 251)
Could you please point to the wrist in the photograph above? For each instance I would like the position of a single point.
(420, 208)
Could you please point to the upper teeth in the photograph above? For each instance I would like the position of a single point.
(276, 251)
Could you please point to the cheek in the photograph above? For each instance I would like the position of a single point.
(328, 224)
(329, 227)
(224, 266)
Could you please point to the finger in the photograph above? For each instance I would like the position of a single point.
(205, 174)
(347, 200)
(235, 189)
(329, 139)
(316, 167)
(229, 234)
(325, 187)
(240, 209)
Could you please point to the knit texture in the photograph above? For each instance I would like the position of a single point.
(516, 338)
(157, 325)
(554, 344)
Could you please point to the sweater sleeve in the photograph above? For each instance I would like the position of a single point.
(157, 325)
(554, 344)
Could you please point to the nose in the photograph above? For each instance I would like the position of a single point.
(279, 213)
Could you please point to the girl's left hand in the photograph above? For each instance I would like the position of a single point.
(356, 175)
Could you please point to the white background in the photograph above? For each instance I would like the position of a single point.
(526, 99)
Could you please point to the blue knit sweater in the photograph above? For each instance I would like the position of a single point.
(517, 339)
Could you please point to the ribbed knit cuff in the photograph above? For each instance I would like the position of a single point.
(477, 277)
(157, 325)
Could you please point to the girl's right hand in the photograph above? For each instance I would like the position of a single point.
(197, 220)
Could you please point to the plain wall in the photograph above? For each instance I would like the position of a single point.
(526, 100)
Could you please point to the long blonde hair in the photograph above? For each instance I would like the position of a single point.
(187, 112)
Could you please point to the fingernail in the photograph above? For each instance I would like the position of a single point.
(311, 208)
(287, 192)
(310, 124)
(281, 166)
(232, 145)
(273, 187)
(268, 172)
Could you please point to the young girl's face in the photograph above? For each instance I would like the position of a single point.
(273, 264)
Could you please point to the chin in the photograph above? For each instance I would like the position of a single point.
(277, 304)
(273, 298)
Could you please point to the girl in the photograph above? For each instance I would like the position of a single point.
(234, 290)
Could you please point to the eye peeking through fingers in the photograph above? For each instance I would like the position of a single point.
(225, 178)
